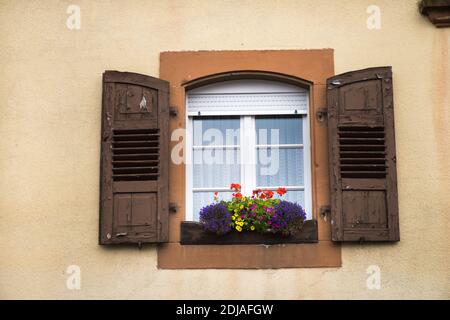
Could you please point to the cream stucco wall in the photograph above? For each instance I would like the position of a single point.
(50, 93)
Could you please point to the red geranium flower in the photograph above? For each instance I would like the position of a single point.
(235, 186)
(281, 191)
(268, 193)
(237, 195)
(257, 191)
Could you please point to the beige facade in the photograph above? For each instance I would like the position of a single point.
(50, 88)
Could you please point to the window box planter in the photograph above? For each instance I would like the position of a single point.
(192, 233)
(437, 11)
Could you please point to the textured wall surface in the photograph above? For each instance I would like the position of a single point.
(50, 93)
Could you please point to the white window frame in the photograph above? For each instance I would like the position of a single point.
(248, 139)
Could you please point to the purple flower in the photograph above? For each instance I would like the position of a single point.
(260, 217)
(253, 207)
(215, 218)
(289, 217)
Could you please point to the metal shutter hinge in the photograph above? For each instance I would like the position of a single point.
(325, 211)
(173, 207)
(321, 114)
(173, 111)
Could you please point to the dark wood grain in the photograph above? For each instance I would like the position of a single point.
(362, 156)
(192, 233)
(134, 175)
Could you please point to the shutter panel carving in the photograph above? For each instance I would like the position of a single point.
(362, 156)
(134, 159)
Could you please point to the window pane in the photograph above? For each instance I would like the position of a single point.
(279, 167)
(295, 196)
(202, 199)
(216, 131)
(216, 168)
(288, 129)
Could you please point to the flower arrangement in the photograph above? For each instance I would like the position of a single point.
(260, 212)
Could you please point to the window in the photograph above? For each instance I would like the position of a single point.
(190, 73)
(252, 132)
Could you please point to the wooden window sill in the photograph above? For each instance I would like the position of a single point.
(192, 233)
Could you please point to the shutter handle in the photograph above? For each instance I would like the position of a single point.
(121, 234)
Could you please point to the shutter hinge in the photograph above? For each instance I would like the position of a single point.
(325, 211)
(173, 207)
(321, 114)
(173, 111)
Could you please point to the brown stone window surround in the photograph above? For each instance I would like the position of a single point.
(185, 70)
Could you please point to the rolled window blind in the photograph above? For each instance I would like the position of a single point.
(247, 97)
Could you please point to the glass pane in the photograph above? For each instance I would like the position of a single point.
(216, 131)
(216, 168)
(202, 199)
(279, 130)
(279, 167)
(295, 196)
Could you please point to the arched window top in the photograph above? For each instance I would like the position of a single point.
(247, 75)
(247, 97)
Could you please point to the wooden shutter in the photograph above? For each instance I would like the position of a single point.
(363, 175)
(134, 159)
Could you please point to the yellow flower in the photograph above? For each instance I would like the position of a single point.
(241, 207)
(238, 228)
(250, 203)
(233, 217)
(246, 223)
(252, 228)
(235, 210)
(241, 223)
